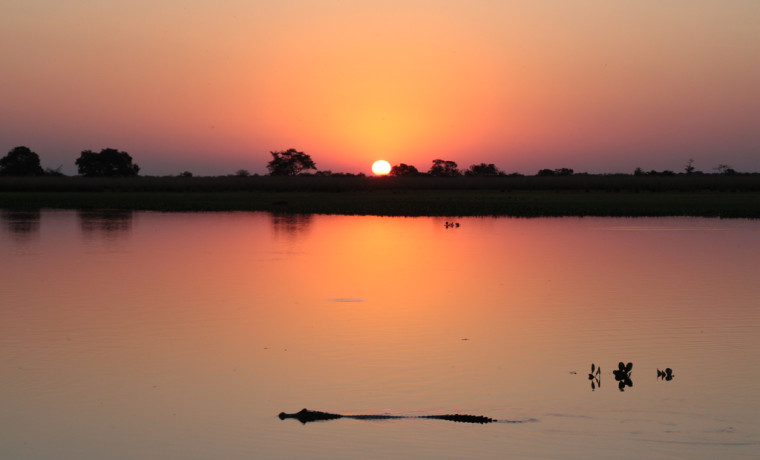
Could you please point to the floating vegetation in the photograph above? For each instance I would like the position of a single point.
(667, 374)
(623, 375)
(594, 377)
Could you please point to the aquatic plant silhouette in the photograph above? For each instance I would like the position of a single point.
(306, 416)
(594, 377)
(667, 374)
(623, 375)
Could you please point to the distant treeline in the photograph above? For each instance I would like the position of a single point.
(112, 163)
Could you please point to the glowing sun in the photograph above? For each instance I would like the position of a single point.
(381, 167)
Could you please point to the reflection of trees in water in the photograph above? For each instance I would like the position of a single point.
(106, 223)
(290, 225)
(22, 225)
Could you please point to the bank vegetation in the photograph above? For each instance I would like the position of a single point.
(708, 195)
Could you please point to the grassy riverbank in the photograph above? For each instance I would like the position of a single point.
(709, 195)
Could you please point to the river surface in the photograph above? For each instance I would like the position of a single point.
(140, 335)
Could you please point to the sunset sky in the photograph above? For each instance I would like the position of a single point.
(212, 87)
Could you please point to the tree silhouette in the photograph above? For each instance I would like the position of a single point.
(725, 169)
(443, 168)
(689, 167)
(484, 170)
(404, 170)
(20, 161)
(289, 163)
(556, 172)
(107, 163)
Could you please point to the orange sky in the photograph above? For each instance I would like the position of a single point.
(212, 87)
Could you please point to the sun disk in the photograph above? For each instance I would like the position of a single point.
(381, 167)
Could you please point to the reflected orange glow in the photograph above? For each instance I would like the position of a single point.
(246, 315)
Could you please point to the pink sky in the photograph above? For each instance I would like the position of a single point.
(212, 87)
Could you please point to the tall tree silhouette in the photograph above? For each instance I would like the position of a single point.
(20, 161)
(290, 162)
(107, 163)
(484, 170)
(444, 168)
(403, 169)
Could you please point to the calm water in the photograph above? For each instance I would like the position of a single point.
(148, 335)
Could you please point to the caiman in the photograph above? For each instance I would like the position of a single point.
(306, 416)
